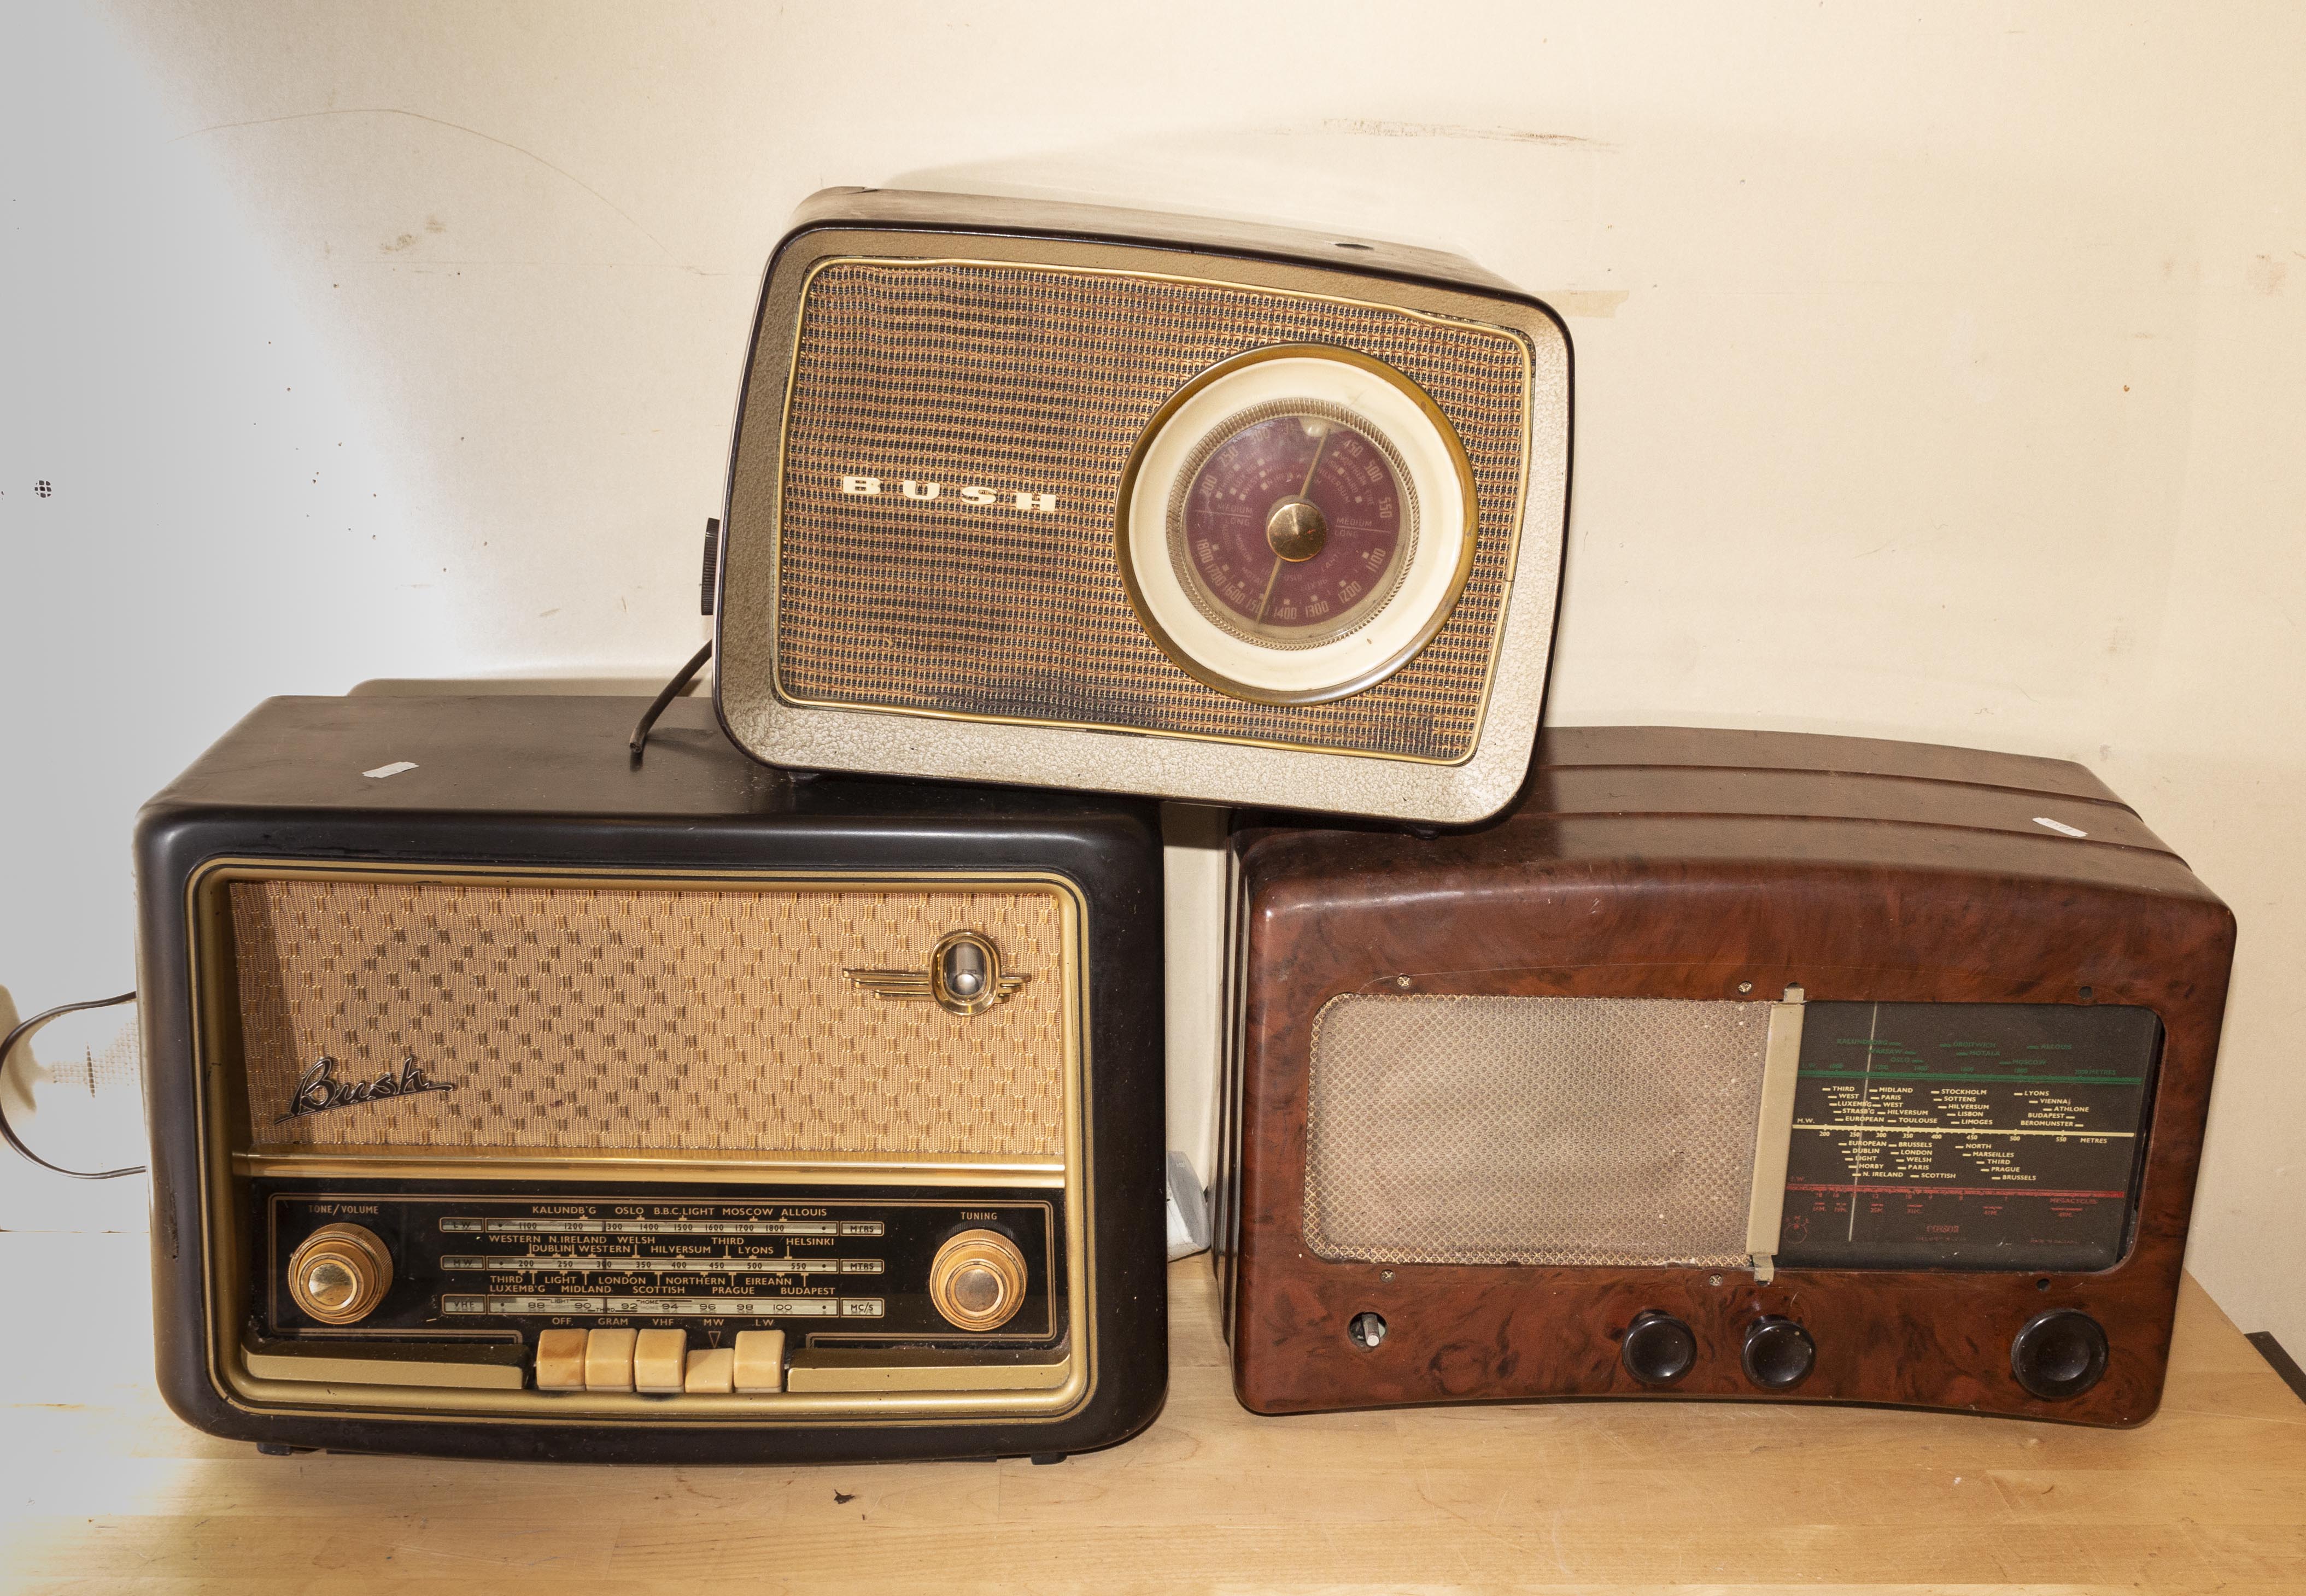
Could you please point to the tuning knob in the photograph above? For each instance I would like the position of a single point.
(1659, 1349)
(339, 1273)
(2059, 1355)
(977, 1280)
(1778, 1353)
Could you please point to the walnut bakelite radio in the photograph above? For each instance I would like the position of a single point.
(511, 1098)
(1285, 511)
(1729, 1064)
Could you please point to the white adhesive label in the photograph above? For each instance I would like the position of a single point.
(2060, 826)
(382, 771)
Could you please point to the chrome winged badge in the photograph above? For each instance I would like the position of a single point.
(963, 976)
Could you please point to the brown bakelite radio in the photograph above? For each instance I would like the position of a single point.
(1284, 511)
(1730, 1064)
(511, 1097)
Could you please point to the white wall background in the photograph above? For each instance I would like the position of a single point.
(1940, 374)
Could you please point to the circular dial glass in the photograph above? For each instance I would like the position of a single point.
(1296, 523)
(1291, 523)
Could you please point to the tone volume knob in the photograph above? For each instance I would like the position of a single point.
(977, 1280)
(1659, 1349)
(339, 1273)
(2059, 1355)
(1778, 1353)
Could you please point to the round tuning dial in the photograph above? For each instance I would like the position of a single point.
(977, 1280)
(339, 1273)
(1296, 524)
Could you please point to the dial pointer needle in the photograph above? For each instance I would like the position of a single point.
(1321, 442)
(1267, 602)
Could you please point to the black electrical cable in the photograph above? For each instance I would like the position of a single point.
(8, 1046)
(671, 691)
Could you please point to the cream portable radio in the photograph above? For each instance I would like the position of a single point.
(509, 1097)
(1090, 499)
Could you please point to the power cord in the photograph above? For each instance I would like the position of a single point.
(8, 1046)
(671, 691)
(706, 589)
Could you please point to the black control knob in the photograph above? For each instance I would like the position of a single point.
(1659, 1349)
(1779, 1353)
(2059, 1355)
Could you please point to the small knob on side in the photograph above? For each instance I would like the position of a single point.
(1778, 1353)
(339, 1272)
(2059, 1355)
(1659, 1349)
(977, 1280)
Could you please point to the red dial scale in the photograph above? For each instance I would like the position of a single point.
(1291, 523)
(1296, 523)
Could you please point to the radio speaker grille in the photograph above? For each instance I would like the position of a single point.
(647, 1020)
(1563, 1131)
(1024, 380)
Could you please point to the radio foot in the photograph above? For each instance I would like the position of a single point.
(281, 1449)
(1040, 1458)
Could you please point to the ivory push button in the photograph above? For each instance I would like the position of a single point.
(609, 1360)
(760, 1361)
(560, 1361)
(659, 1360)
(711, 1372)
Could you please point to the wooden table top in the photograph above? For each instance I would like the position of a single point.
(101, 1488)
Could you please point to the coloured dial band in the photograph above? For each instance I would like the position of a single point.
(1292, 523)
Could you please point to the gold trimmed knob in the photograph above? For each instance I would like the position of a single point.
(977, 1280)
(1296, 530)
(339, 1273)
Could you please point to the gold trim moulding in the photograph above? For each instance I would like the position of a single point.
(1522, 349)
(523, 1164)
(843, 1371)
(634, 876)
(406, 1367)
(250, 1385)
(982, 1391)
(428, 1369)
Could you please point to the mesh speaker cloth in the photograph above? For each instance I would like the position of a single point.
(1019, 380)
(1564, 1130)
(689, 1021)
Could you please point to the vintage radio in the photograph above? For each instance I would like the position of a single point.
(1287, 510)
(1730, 1064)
(510, 1098)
